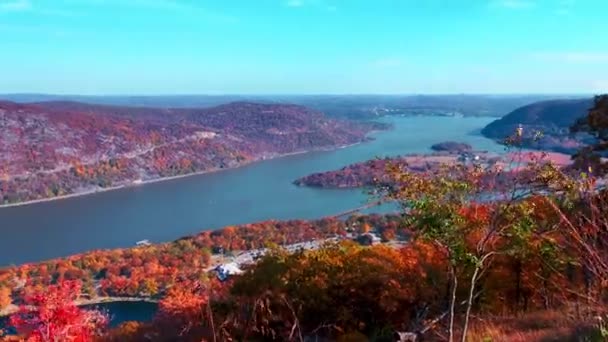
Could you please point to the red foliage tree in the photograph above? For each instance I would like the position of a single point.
(52, 315)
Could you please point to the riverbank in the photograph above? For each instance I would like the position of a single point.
(12, 309)
(166, 211)
(163, 179)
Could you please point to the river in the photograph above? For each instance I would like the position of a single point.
(168, 210)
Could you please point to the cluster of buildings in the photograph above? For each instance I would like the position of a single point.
(234, 267)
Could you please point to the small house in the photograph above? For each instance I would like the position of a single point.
(227, 270)
(368, 239)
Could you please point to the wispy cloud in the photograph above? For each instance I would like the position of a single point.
(513, 4)
(15, 5)
(573, 56)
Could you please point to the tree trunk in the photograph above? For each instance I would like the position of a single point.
(518, 275)
(452, 304)
(469, 304)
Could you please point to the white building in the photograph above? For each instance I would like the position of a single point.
(226, 270)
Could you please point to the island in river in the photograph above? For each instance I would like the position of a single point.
(58, 149)
(452, 146)
(373, 172)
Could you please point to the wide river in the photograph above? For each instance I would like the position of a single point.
(168, 210)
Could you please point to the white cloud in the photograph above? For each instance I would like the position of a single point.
(514, 4)
(15, 5)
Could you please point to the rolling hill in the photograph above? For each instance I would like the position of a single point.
(551, 118)
(60, 148)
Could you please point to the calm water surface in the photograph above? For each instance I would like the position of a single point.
(168, 210)
(120, 312)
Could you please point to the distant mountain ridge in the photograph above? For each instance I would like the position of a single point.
(551, 118)
(60, 148)
(339, 106)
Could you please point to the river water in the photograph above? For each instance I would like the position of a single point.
(168, 210)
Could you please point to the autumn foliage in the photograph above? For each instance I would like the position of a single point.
(508, 252)
(51, 315)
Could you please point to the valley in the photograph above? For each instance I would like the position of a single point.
(112, 273)
(164, 211)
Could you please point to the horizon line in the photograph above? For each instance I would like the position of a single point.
(301, 94)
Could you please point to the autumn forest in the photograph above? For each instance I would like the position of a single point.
(508, 251)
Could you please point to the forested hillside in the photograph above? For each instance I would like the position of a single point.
(546, 125)
(61, 148)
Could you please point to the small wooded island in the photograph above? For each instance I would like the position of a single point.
(452, 146)
(373, 172)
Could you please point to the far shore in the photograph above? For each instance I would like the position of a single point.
(162, 179)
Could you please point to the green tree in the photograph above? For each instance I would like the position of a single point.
(473, 213)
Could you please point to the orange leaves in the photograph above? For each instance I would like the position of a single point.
(127, 331)
(184, 309)
(345, 284)
(476, 213)
(5, 297)
(185, 163)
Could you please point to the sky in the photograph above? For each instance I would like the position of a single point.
(153, 47)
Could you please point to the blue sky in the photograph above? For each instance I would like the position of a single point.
(303, 46)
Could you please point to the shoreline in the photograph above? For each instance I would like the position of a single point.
(12, 309)
(162, 179)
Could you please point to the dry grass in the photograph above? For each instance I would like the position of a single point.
(536, 327)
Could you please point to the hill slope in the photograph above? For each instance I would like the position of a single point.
(552, 118)
(60, 148)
